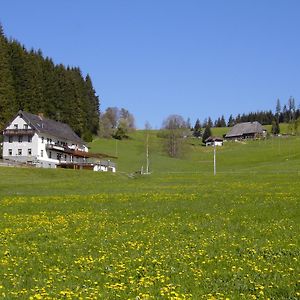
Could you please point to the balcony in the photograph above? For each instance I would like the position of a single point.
(13, 132)
(76, 152)
(67, 150)
(57, 148)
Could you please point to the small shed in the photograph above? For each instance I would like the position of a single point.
(214, 141)
(105, 166)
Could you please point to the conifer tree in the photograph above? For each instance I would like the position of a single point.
(206, 133)
(197, 129)
(278, 109)
(223, 122)
(7, 92)
(275, 126)
(230, 121)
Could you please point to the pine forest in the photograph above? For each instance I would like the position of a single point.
(33, 83)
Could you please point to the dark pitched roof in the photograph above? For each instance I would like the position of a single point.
(213, 139)
(57, 129)
(245, 128)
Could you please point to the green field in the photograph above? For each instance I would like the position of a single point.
(179, 233)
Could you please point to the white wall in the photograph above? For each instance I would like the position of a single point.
(15, 144)
(38, 147)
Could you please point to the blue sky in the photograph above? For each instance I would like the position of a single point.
(160, 57)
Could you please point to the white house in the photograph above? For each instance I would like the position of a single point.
(214, 141)
(42, 142)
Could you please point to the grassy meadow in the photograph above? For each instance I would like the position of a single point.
(179, 233)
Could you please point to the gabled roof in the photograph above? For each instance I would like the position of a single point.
(54, 128)
(245, 128)
(213, 139)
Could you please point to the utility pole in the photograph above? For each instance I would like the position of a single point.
(215, 162)
(147, 154)
(116, 147)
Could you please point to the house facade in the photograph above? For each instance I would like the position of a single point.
(45, 143)
(214, 141)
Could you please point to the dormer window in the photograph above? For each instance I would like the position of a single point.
(25, 126)
(15, 126)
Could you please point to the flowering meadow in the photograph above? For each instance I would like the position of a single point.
(172, 236)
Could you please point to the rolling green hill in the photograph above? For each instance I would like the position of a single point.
(278, 154)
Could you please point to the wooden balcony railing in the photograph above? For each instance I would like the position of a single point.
(18, 132)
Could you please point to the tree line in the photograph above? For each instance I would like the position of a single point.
(288, 113)
(284, 114)
(175, 128)
(33, 83)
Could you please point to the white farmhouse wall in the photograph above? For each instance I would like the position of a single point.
(19, 122)
(49, 158)
(216, 143)
(13, 145)
(36, 144)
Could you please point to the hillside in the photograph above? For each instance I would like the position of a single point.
(257, 156)
(274, 158)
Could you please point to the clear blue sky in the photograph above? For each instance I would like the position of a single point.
(161, 57)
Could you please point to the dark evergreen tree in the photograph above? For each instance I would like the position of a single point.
(7, 92)
(93, 107)
(197, 129)
(210, 122)
(206, 133)
(31, 94)
(278, 109)
(275, 126)
(230, 121)
(222, 121)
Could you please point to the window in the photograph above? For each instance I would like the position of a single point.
(10, 152)
(42, 140)
(50, 154)
(20, 139)
(29, 139)
(15, 126)
(65, 157)
(29, 152)
(47, 140)
(19, 151)
(42, 153)
(25, 126)
(10, 139)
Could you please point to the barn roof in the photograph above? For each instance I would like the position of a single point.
(48, 126)
(245, 128)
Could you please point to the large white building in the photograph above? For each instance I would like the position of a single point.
(42, 142)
